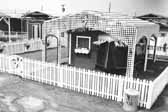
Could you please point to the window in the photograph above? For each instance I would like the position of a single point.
(83, 44)
(62, 34)
(38, 31)
(163, 34)
(33, 31)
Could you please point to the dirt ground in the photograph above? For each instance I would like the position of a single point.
(20, 95)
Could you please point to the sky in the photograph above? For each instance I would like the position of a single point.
(130, 7)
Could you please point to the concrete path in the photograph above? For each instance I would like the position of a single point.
(21, 95)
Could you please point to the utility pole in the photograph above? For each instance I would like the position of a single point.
(135, 14)
(110, 6)
(63, 8)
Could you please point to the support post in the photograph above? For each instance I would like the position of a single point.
(154, 54)
(146, 55)
(60, 74)
(150, 95)
(131, 55)
(7, 21)
(70, 47)
(44, 50)
(9, 29)
(27, 23)
(21, 25)
(59, 48)
(1, 18)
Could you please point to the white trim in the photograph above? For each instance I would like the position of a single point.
(70, 47)
(86, 37)
(82, 50)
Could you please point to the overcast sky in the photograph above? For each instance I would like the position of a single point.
(124, 6)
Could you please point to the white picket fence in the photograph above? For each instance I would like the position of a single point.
(13, 34)
(158, 86)
(24, 46)
(108, 86)
(14, 48)
(21, 47)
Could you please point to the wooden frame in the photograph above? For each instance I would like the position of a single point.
(79, 50)
(85, 37)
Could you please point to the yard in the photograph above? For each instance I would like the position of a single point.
(153, 68)
(17, 95)
(51, 54)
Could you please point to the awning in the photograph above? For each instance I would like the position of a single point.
(99, 42)
(37, 15)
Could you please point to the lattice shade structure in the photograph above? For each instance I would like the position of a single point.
(118, 26)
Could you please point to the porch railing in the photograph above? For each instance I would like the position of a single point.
(15, 36)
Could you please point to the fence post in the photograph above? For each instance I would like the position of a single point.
(167, 75)
(120, 89)
(60, 74)
(150, 95)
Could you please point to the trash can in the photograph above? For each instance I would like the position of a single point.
(131, 100)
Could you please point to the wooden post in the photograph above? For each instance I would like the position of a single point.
(9, 29)
(120, 88)
(44, 47)
(154, 54)
(150, 94)
(44, 50)
(60, 74)
(146, 55)
(21, 27)
(27, 23)
(59, 48)
(70, 47)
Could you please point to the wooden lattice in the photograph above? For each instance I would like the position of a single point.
(113, 24)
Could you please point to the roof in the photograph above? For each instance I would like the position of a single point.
(156, 18)
(151, 15)
(37, 14)
(3, 15)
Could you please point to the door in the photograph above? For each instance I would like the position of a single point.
(36, 31)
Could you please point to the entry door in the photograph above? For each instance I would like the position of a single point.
(36, 31)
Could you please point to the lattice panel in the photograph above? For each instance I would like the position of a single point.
(127, 34)
(106, 22)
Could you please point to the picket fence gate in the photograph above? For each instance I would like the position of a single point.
(108, 86)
